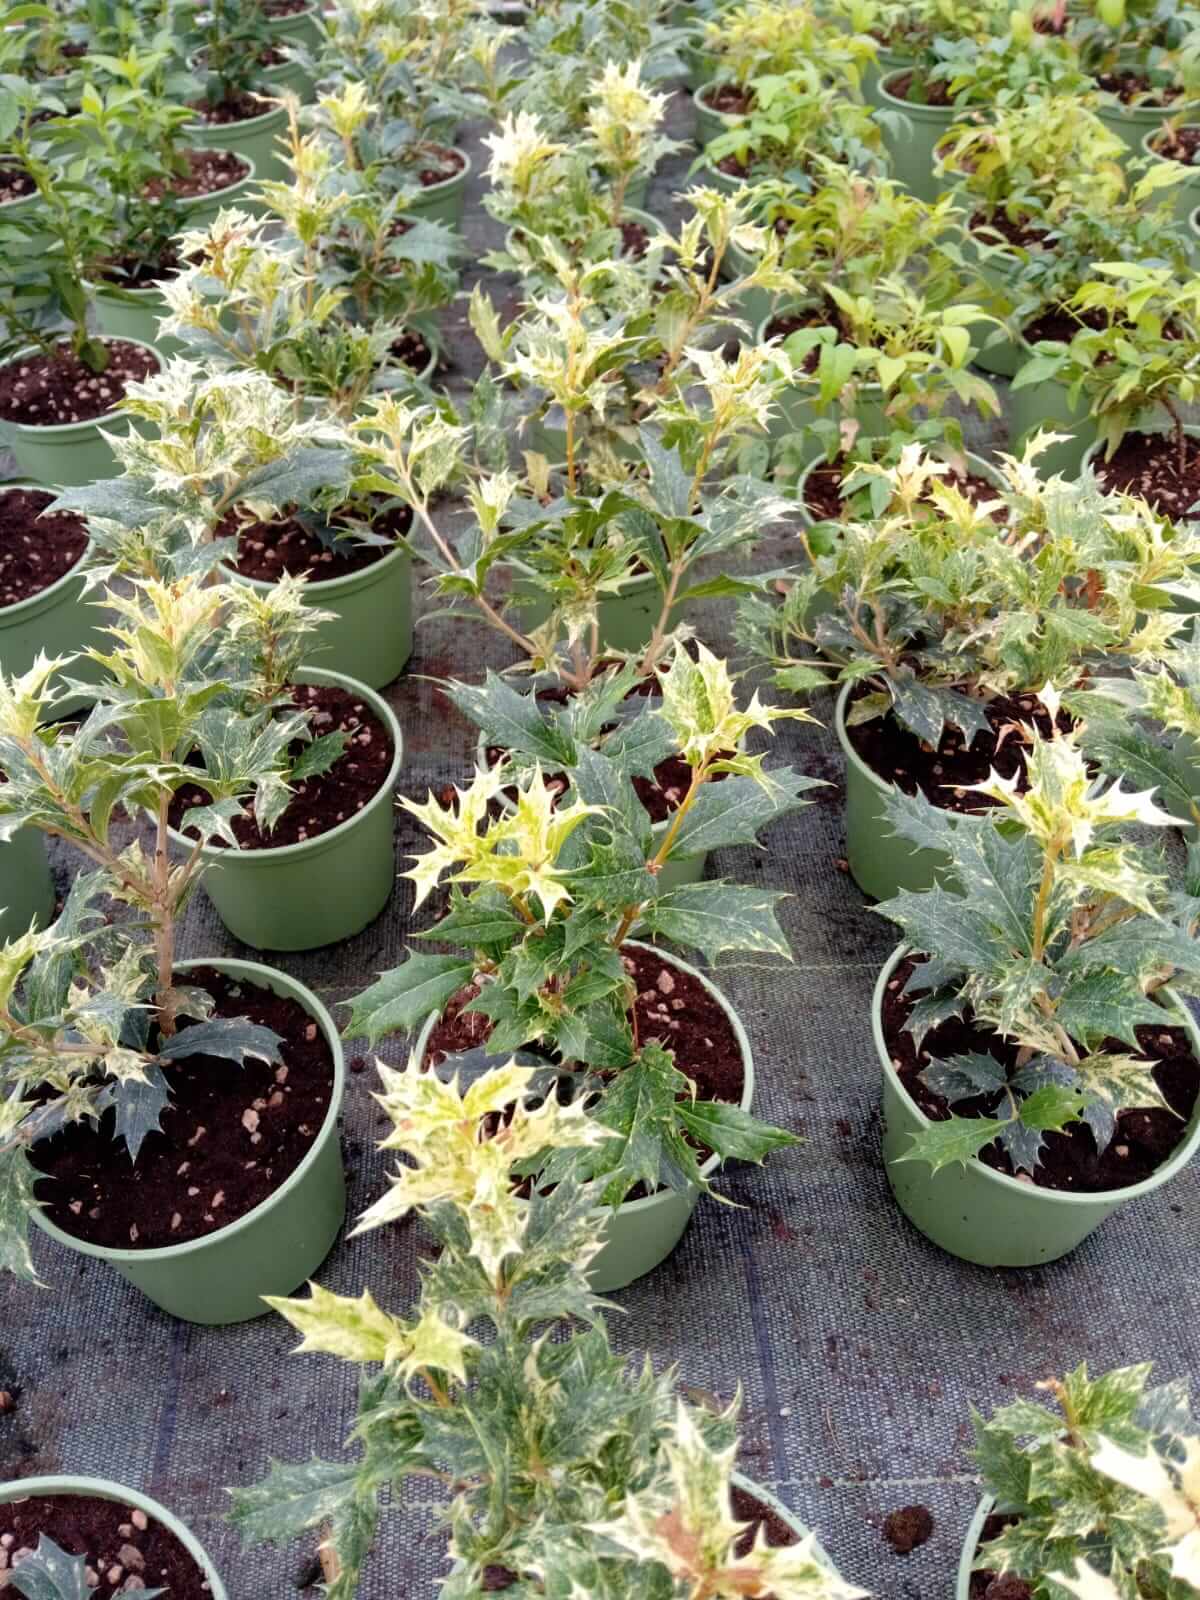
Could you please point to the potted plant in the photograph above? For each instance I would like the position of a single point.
(1089, 1495)
(1132, 362)
(125, 1530)
(941, 616)
(1038, 1073)
(1141, 87)
(612, 1018)
(635, 1496)
(1177, 142)
(904, 30)
(115, 1054)
(952, 75)
(231, 52)
(60, 385)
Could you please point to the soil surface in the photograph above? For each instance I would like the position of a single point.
(930, 91)
(812, 317)
(1148, 464)
(672, 1007)
(730, 99)
(45, 390)
(1178, 144)
(823, 490)
(1061, 326)
(635, 240)
(907, 1529)
(1021, 235)
(411, 351)
(209, 171)
(746, 1508)
(439, 164)
(321, 803)
(943, 775)
(1144, 1138)
(35, 550)
(120, 1542)
(240, 107)
(1137, 88)
(232, 1134)
(987, 1585)
(15, 184)
(271, 550)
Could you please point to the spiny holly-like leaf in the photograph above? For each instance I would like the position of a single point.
(962, 1076)
(731, 1132)
(735, 810)
(401, 999)
(231, 1038)
(291, 1498)
(16, 1202)
(926, 710)
(318, 756)
(49, 1573)
(483, 918)
(953, 1142)
(712, 917)
(138, 1105)
(513, 721)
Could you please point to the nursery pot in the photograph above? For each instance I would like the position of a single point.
(370, 635)
(255, 140)
(641, 1234)
(289, 77)
(998, 268)
(58, 621)
(200, 210)
(444, 201)
(320, 890)
(880, 863)
(970, 1549)
(66, 455)
(910, 147)
(1194, 233)
(1186, 193)
(984, 1216)
(107, 1489)
(21, 210)
(222, 1277)
(755, 305)
(1133, 123)
(300, 27)
(1047, 405)
(1150, 424)
(627, 616)
(887, 64)
(26, 887)
(709, 123)
(795, 407)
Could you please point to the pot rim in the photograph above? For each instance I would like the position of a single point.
(461, 176)
(946, 114)
(663, 1195)
(33, 605)
(970, 1549)
(276, 855)
(1191, 429)
(1151, 151)
(731, 117)
(292, 989)
(61, 430)
(109, 1489)
(189, 130)
(331, 588)
(1174, 1163)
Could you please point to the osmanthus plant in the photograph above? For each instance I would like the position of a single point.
(1054, 937)
(909, 27)
(768, 38)
(572, 1472)
(937, 605)
(796, 117)
(1136, 354)
(544, 894)
(1099, 1489)
(1002, 70)
(99, 1034)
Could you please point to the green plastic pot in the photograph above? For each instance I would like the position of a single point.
(370, 636)
(57, 622)
(998, 268)
(256, 140)
(679, 870)
(887, 64)
(709, 123)
(302, 27)
(318, 891)
(289, 77)
(1187, 192)
(757, 306)
(200, 210)
(108, 1489)
(987, 1217)
(221, 1278)
(133, 314)
(795, 408)
(1194, 233)
(1048, 405)
(970, 1549)
(66, 455)
(26, 887)
(21, 210)
(445, 201)
(880, 863)
(910, 142)
(641, 1234)
(627, 617)
(1133, 123)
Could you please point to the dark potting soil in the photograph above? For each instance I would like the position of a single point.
(1132, 87)
(241, 107)
(990, 1585)
(814, 317)
(730, 99)
(119, 1543)
(272, 549)
(321, 803)
(672, 1007)
(1022, 235)
(209, 171)
(746, 1508)
(130, 272)
(823, 490)
(285, 8)
(1178, 144)
(411, 351)
(35, 550)
(1148, 464)
(15, 184)
(1061, 326)
(943, 775)
(1144, 1139)
(439, 164)
(232, 1134)
(925, 92)
(635, 240)
(45, 390)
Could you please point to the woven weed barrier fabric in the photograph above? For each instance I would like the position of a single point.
(858, 1347)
